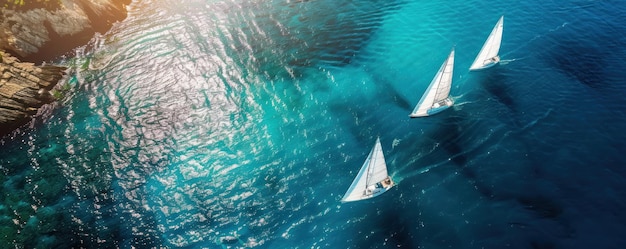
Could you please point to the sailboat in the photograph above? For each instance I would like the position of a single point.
(372, 180)
(488, 55)
(436, 98)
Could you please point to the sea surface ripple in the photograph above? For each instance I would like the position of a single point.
(236, 124)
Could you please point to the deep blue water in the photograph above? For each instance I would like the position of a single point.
(234, 124)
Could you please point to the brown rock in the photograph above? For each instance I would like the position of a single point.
(37, 35)
(23, 89)
(40, 34)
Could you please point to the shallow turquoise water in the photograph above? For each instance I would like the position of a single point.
(232, 124)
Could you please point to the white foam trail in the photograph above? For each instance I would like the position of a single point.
(504, 62)
(532, 123)
(399, 179)
(459, 97)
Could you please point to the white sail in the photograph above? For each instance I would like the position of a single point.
(436, 98)
(372, 177)
(488, 55)
(377, 169)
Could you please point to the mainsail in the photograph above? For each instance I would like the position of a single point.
(368, 180)
(488, 55)
(436, 98)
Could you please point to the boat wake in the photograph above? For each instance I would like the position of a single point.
(422, 170)
(504, 62)
(399, 174)
(534, 122)
(459, 104)
(398, 177)
(536, 37)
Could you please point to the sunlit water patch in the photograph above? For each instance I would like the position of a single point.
(233, 124)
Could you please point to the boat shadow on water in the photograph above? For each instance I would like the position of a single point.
(451, 135)
(494, 81)
(456, 135)
(365, 116)
(394, 228)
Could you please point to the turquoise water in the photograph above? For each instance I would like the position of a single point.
(235, 124)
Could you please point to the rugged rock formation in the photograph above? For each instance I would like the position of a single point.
(24, 88)
(40, 34)
(37, 32)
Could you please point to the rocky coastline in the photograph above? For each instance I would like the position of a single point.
(30, 36)
(24, 88)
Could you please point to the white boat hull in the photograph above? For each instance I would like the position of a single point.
(374, 192)
(434, 110)
(487, 65)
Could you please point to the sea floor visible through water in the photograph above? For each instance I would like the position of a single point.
(240, 124)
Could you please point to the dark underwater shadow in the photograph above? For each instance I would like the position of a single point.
(396, 228)
(583, 63)
(390, 94)
(541, 206)
(450, 134)
(336, 38)
(494, 81)
(444, 140)
(312, 34)
(589, 57)
(390, 225)
(368, 116)
(547, 213)
(455, 130)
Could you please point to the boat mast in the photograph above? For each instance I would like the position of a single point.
(442, 90)
(371, 163)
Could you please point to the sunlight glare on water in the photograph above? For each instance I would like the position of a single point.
(234, 124)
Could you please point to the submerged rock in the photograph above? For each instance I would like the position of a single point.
(24, 88)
